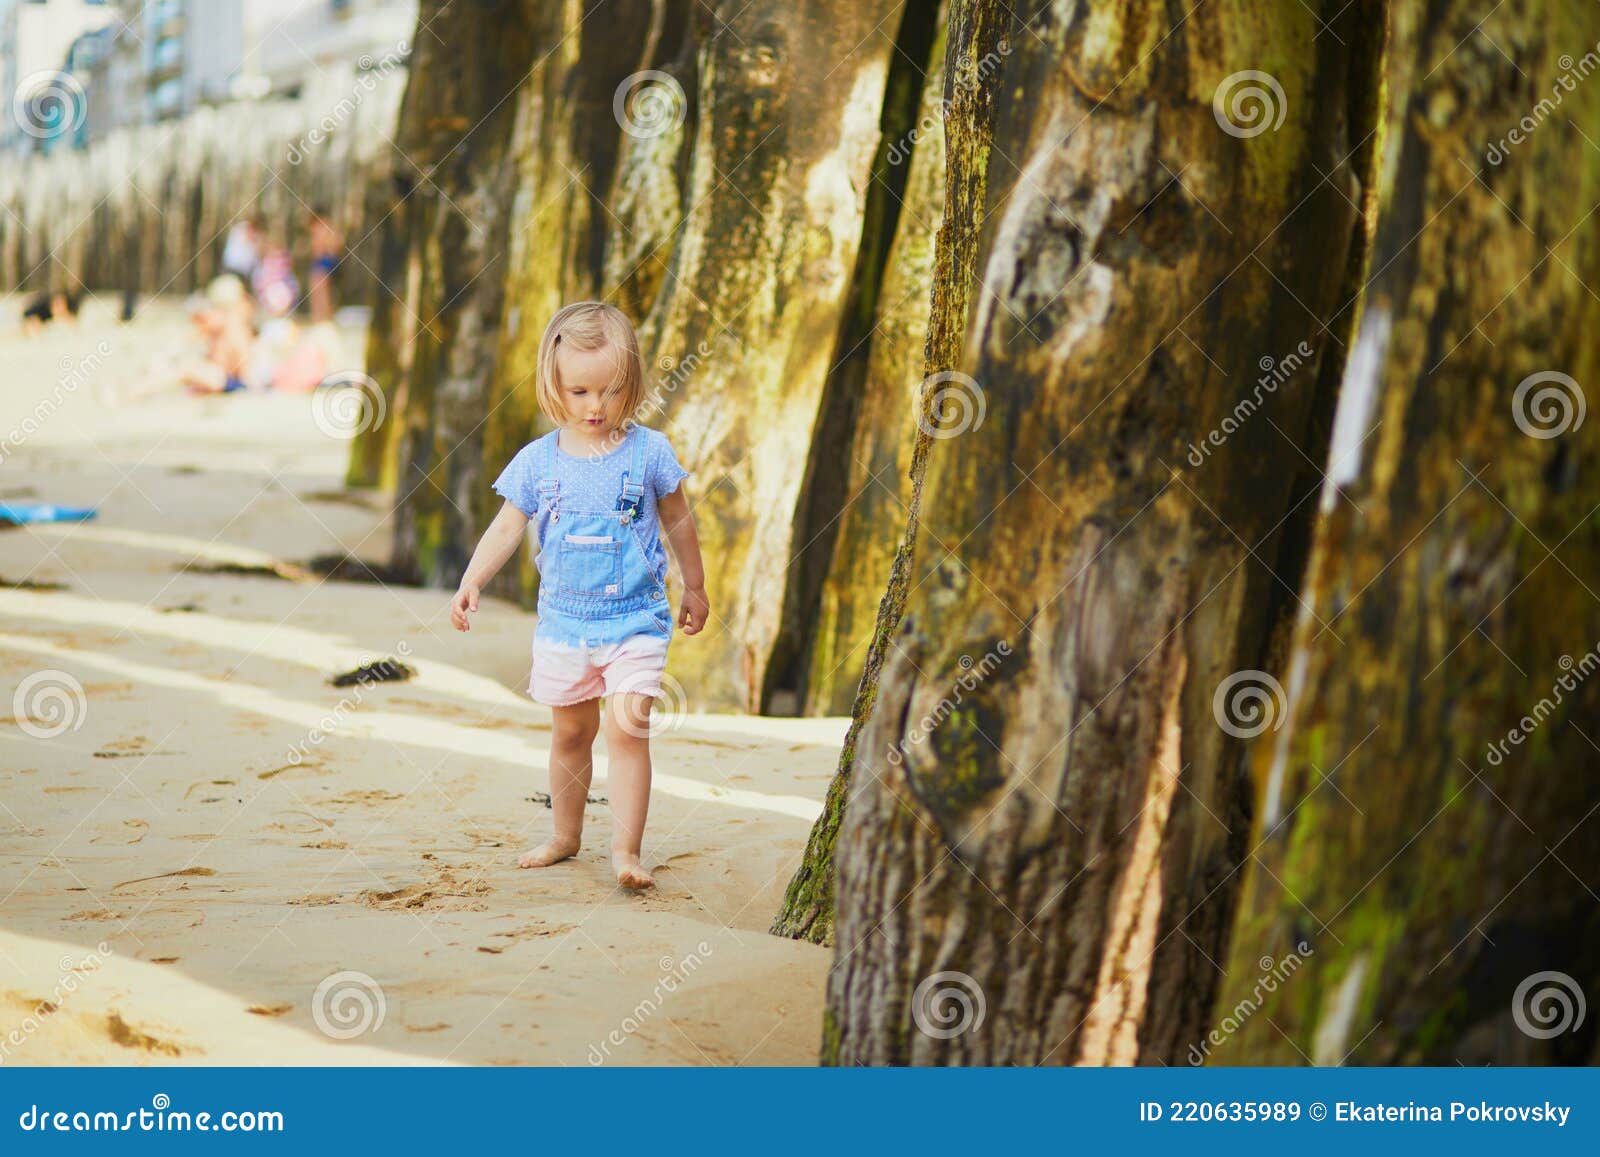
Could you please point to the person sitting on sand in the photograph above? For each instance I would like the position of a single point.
(600, 488)
(224, 321)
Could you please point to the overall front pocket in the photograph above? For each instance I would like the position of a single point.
(590, 565)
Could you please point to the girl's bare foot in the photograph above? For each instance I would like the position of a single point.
(552, 851)
(631, 873)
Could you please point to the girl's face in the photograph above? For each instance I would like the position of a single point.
(586, 379)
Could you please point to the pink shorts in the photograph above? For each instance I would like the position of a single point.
(564, 674)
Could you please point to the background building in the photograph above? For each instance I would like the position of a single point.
(311, 48)
(162, 58)
(35, 39)
(125, 62)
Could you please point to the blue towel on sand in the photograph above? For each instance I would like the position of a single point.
(43, 512)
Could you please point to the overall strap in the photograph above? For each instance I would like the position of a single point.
(549, 484)
(633, 480)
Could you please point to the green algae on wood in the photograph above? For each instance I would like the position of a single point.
(1118, 321)
(1431, 872)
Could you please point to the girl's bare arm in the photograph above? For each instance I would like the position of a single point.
(677, 523)
(498, 544)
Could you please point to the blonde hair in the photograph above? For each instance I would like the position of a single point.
(588, 326)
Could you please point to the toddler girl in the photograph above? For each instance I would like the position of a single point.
(599, 486)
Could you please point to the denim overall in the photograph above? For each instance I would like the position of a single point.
(595, 586)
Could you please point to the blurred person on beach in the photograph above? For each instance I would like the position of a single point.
(56, 305)
(273, 282)
(241, 252)
(223, 318)
(277, 292)
(327, 247)
(601, 490)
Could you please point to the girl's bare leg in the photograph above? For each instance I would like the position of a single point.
(628, 752)
(571, 768)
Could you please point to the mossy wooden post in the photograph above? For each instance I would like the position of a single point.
(392, 330)
(742, 333)
(1427, 845)
(975, 32)
(1041, 797)
(457, 173)
(858, 483)
(397, 205)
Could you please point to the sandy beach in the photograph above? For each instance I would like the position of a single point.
(209, 854)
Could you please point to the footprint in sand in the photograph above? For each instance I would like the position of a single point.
(94, 914)
(315, 900)
(532, 931)
(120, 1032)
(364, 798)
(444, 710)
(124, 748)
(303, 824)
(305, 770)
(210, 785)
(166, 876)
(131, 832)
(269, 1009)
(444, 893)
